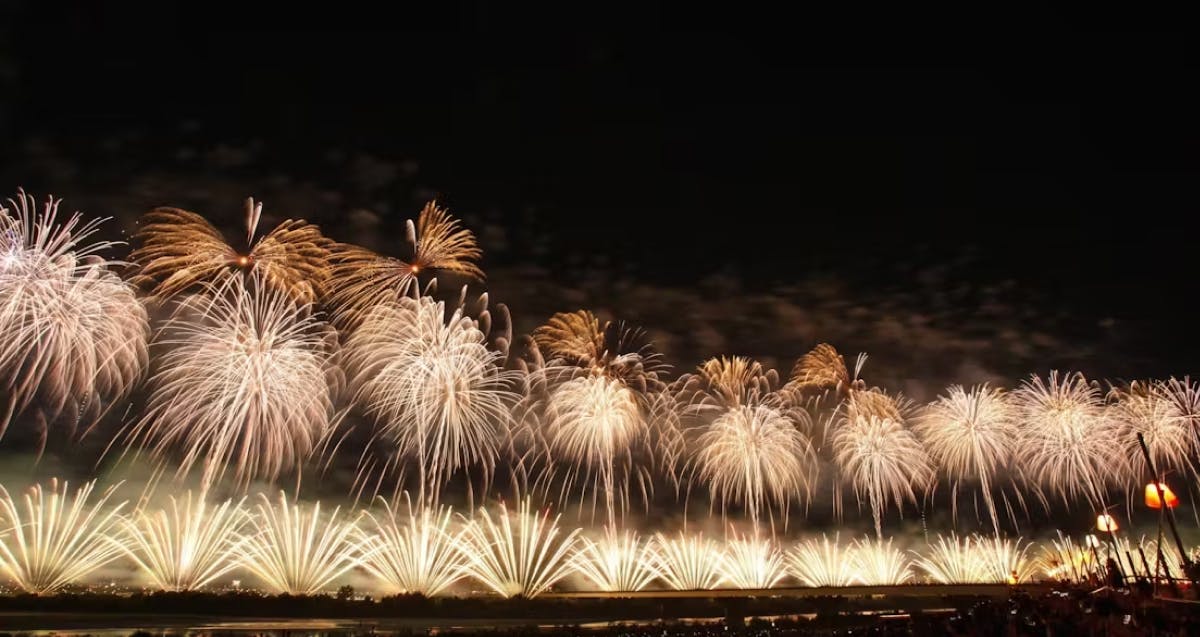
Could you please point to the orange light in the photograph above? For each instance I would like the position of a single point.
(1155, 502)
(243, 261)
(415, 268)
(1106, 523)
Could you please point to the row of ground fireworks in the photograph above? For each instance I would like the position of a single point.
(251, 359)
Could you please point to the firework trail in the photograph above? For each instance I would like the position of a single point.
(295, 550)
(189, 546)
(605, 409)
(880, 457)
(879, 563)
(1065, 444)
(822, 563)
(970, 435)
(751, 563)
(518, 553)
(57, 537)
(750, 445)
(1153, 410)
(417, 555)
(360, 278)
(244, 384)
(687, 563)
(180, 251)
(72, 333)
(620, 561)
(439, 394)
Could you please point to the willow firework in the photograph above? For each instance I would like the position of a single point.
(360, 278)
(243, 384)
(72, 334)
(293, 549)
(878, 454)
(438, 392)
(58, 537)
(419, 554)
(750, 446)
(517, 553)
(970, 435)
(187, 546)
(180, 250)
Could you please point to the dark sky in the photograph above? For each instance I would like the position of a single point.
(1013, 203)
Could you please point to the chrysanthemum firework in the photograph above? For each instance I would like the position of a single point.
(180, 250)
(360, 277)
(294, 549)
(245, 383)
(438, 391)
(188, 546)
(876, 452)
(57, 537)
(970, 435)
(418, 554)
(1152, 410)
(1067, 443)
(517, 553)
(72, 333)
(880, 563)
(604, 412)
(822, 370)
(687, 562)
(749, 444)
(618, 561)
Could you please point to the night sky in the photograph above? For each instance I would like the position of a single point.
(962, 211)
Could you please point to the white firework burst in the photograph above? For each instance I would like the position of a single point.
(821, 562)
(418, 554)
(619, 561)
(751, 563)
(295, 550)
(188, 546)
(517, 553)
(687, 562)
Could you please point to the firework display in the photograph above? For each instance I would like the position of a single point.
(296, 357)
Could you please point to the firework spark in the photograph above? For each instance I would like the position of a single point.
(417, 555)
(437, 390)
(57, 538)
(295, 550)
(619, 561)
(72, 334)
(518, 553)
(970, 435)
(754, 450)
(879, 563)
(687, 563)
(955, 560)
(880, 457)
(1155, 411)
(1065, 444)
(244, 383)
(360, 277)
(751, 563)
(188, 547)
(821, 562)
(181, 250)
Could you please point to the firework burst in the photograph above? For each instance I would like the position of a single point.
(295, 550)
(518, 553)
(439, 393)
(72, 334)
(438, 243)
(750, 445)
(1154, 411)
(180, 250)
(419, 554)
(881, 458)
(1065, 441)
(189, 546)
(751, 563)
(879, 563)
(970, 435)
(821, 562)
(603, 410)
(955, 560)
(687, 563)
(244, 383)
(619, 561)
(57, 537)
